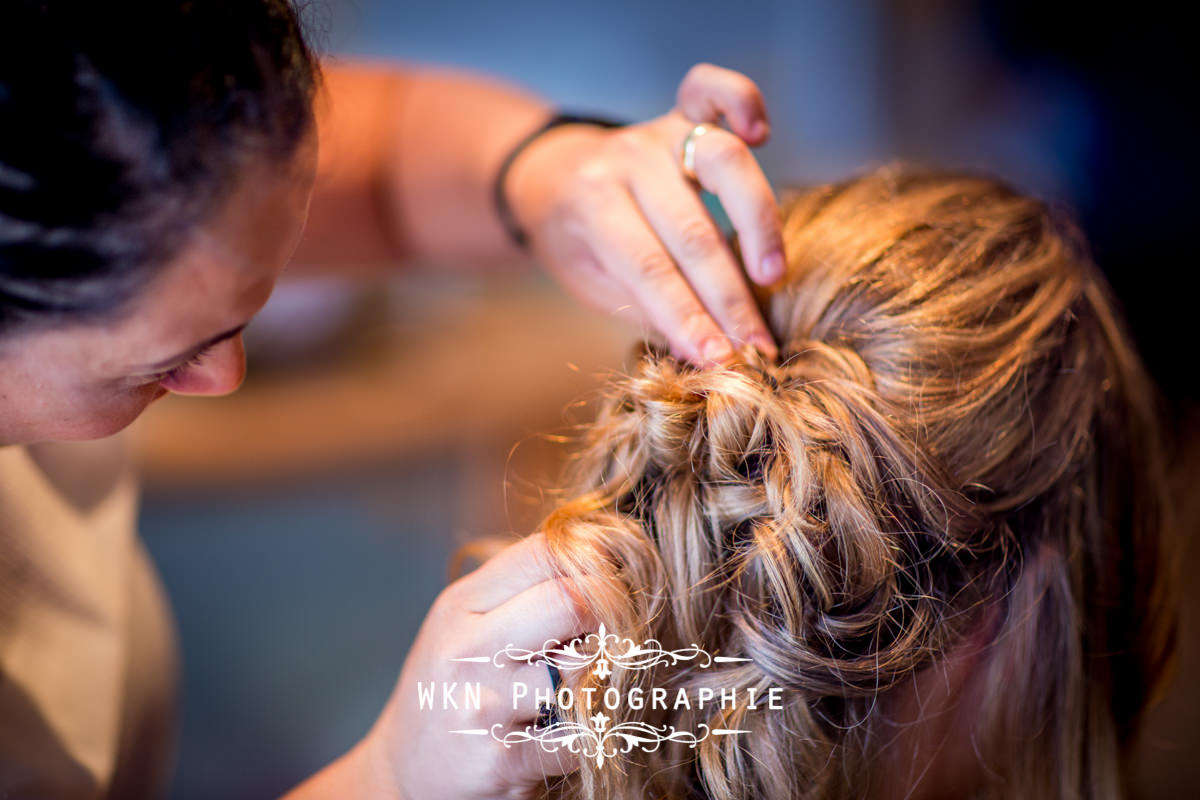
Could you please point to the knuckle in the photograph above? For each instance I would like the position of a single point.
(694, 74)
(456, 594)
(630, 142)
(699, 80)
(732, 306)
(744, 321)
(702, 70)
(696, 325)
(596, 175)
(768, 224)
(743, 87)
(447, 601)
(699, 239)
(727, 150)
(654, 266)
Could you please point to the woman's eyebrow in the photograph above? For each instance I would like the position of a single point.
(192, 352)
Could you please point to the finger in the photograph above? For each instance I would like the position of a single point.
(527, 681)
(536, 762)
(509, 695)
(709, 92)
(529, 763)
(505, 575)
(623, 242)
(727, 168)
(683, 224)
(544, 615)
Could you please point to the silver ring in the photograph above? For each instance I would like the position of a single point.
(688, 162)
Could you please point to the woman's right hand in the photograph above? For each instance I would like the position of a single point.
(513, 599)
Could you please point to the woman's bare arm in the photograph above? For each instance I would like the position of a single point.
(407, 157)
(407, 163)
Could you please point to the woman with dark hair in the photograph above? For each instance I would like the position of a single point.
(157, 164)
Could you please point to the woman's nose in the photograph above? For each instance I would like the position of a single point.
(219, 372)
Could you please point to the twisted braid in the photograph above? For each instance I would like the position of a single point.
(844, 518)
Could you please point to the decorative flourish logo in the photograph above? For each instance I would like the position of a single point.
(605, 652)
(598, 743)
(634, 656)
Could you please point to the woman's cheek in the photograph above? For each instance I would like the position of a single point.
(105, 415)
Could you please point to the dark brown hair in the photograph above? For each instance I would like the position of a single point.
(125, 125)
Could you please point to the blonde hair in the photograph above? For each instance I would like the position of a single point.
(957, 444)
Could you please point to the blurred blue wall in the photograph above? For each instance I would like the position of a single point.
(817, 63)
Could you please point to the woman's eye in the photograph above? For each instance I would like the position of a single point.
(176, 372)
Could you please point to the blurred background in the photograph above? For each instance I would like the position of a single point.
(304, 525)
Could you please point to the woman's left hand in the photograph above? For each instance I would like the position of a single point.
(611, 213)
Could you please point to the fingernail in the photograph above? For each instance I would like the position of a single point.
(716, 350)
(759, 129)
(765, 345)
(773, 267)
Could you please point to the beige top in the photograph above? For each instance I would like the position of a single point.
(88, 658)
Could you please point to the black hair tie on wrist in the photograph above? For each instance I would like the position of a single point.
(503, 210)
